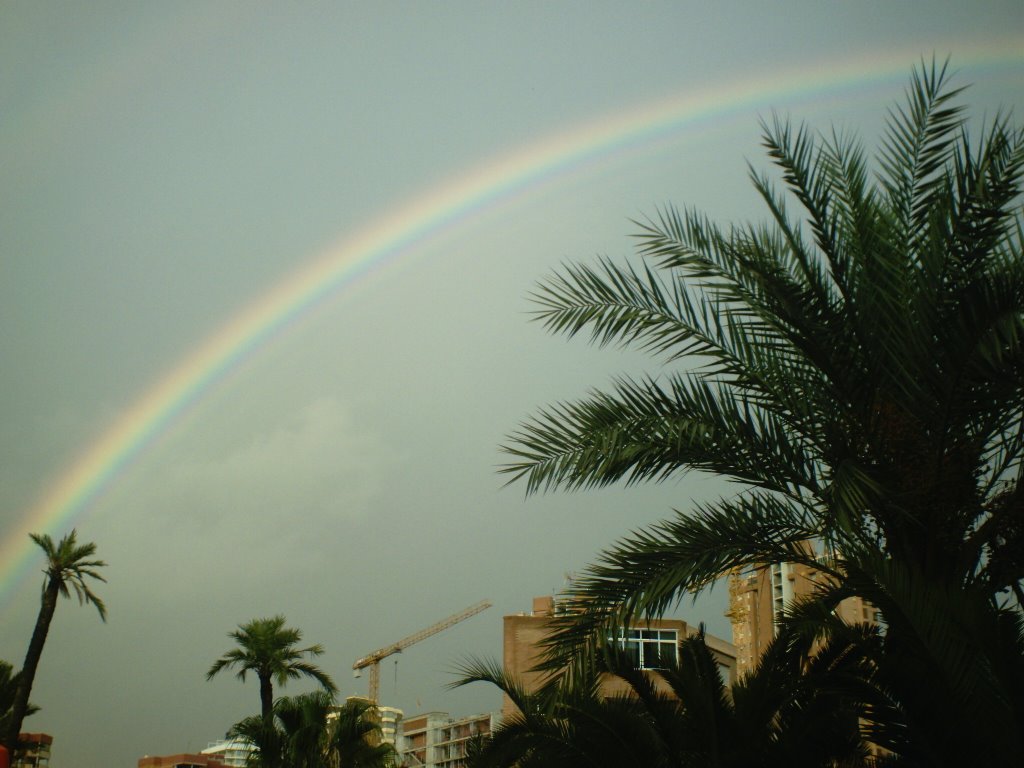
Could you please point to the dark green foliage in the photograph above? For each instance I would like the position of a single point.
(268, 648)
(786, 713)
(857, 368)
(309, 731)
(9, 681)
(354, 739)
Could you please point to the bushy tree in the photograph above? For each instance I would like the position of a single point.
(309, 731)
(355, 739)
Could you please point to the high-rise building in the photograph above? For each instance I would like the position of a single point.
(435, 740)
(758, 596)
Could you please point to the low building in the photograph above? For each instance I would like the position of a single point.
(651, 643)
(182, 760)
(34, 752)
(233, 753)
(436, 740)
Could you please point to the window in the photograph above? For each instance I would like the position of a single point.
(649, 648)
(782, 576)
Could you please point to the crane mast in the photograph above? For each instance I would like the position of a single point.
(373, 660)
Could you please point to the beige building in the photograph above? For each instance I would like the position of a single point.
(757, 598)
(436, 740)
(650, 643)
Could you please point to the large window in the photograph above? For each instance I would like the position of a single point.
(650, 648)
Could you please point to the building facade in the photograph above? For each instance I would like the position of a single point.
(757, 598)
(34, 751)
(435, 740)
(234, 753)
(181, 760)
(652, 643)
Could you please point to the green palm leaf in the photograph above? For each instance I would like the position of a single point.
(856, 365)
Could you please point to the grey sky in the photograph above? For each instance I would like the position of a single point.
(166, 164)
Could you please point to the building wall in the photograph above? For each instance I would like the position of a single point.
(524, 634)
(35, 752)
(233, 753)
(436, 740)
(181, 760)
(756, 597)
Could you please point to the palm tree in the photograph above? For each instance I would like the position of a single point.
(858, 371)
(308, 731)
(296, 737)
(266, 742)
(69, 566)
(267, 648)
(786, 712)
(355, 739)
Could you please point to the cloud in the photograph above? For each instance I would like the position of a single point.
(309, 461)
(235, 506)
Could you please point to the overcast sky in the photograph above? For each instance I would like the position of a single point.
(163, 166)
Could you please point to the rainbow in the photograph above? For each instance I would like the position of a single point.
(401, 231)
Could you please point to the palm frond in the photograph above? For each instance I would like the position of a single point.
(654, 569)
(856, 365)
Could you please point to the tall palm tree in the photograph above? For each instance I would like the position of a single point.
(857, 368)
(268, 648)
(69, 566)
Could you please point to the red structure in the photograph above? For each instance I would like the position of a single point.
(181, 760)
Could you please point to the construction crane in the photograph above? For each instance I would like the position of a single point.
(372, 660)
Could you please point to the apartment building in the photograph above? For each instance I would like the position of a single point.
(35, 751)
(436, 740)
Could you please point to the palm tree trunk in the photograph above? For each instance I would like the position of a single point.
(28, 670)
(266, 698)
(271, 760)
